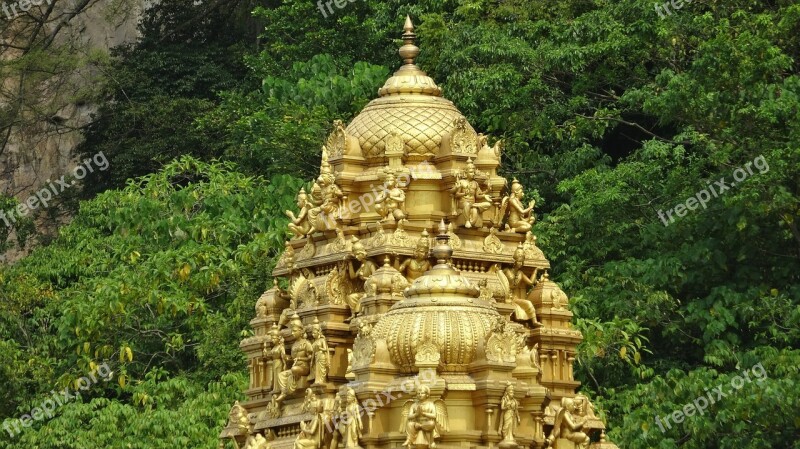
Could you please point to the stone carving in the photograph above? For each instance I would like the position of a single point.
(353, 426)
(501, 345)
(326, 199)
(515, 285)
(363, 350)
(337, 283)
(379, 239)
(340, 244)
(492, 244)
(310, 402)
(257, 441)
(303, 292)
(400, 237)
(569, 425)
(308, 250)
(464, 139)
(365, 270)
(289, 380)
(469, 198)
(486, 293)
(414, 267)
(427, 353)
(455, 241)
(424, 420)
(517, 217)
(390, 203)
(509, 417)
(321, 354)
(287, 258)
(237, 417)
(299, 224)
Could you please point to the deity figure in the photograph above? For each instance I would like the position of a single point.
(416, 266)
(301, 357)
(470, 199)
(515, 283)
(300, 225)
(509, 416)
(391, 201)
(327, 198)
(277, 354)
(364, 271)
(569, 424)
(485, 292)
(321, 356)
(520, 218)
(311, 433)
(238, 416)
(257, 441)
(353, 426)
(424, 420)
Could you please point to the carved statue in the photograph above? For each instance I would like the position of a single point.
(277, 354)
(353, 426)
(486, 292)
(416, 266)
(364, 271)
(425, 420)
(535, 356)
(257, 441)
(311, 434)
(321, 356)
(569, 424)
(310, 402)
(300, 225)
(391, 201)
(492, 243)
(301, 356)
(470, 200)
(237, 417)
(515, 283)
(520, 218)
(327, 198)
(509, 416)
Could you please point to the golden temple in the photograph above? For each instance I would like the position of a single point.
(419, 310)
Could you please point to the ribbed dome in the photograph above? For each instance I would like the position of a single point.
(440, 307)
(410, 106)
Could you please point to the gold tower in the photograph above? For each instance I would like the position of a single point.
(397, 329)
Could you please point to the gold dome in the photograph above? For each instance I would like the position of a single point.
(441, 307)
(410, 105)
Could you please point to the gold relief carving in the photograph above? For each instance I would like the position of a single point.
(340, 244)
(569, 424)
(363, 350)
(320, 354)
(424, 420)
(531, 250)
(337, 285)
(299, 224)
(365, 270)
(308, 250)
(326, 198)
(311, 433)
(416, 266)
(464, 140)
(515, 284)
(336, 144)
(394, 144)
(427, 353)
(257, 441)
(386, 280)
(304, 292)
(237, 417)
(287, 258)
(379, 239)
(557, 296)
(400, 236)
(309, 402)
(455, 241)
(469, 198)
(509, 417)
(535, 361)
(274, 409)
(390, 203)
(502, 343)
(487, 152)
(292, 379)
(492, 244)
(277, 357)
(516, 216)
(486, 292)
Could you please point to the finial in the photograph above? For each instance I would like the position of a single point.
(442, 227)
(409, 51)
(386, 260)
(442, 251)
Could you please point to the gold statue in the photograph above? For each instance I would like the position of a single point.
(277, 354)
(237, 417)
(391, 202)
(257, 441)
(416, 266)
(509, 417)
(288, 380)
(327, 199)
(425, 420)
(319, 348)
(569, 425)
(515, 283)
(353, 426)
(300, 225)
(520, 218)
(311, 434)
(470, 199)
(364, 271)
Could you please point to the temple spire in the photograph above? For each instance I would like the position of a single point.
(409, 51)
